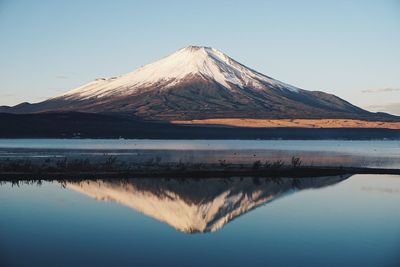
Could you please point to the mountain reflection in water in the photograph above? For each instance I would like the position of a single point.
(197, 205)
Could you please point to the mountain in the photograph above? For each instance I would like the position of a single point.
(199, 83)
(198, 205)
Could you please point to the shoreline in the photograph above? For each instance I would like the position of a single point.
(294, 172)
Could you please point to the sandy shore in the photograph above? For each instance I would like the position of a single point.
(301, 123)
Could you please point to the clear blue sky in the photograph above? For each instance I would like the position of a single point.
(341, 47)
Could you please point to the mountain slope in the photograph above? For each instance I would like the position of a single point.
(199, 83)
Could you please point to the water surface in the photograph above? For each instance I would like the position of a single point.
(385, 154)
(325, 221)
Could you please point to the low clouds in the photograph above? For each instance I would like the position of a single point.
(382, 90)
(392, 108)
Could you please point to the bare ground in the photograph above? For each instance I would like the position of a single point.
(301, 123)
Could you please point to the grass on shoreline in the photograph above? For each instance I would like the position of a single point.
(112, 164)
(111, 167)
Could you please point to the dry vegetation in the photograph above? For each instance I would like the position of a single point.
(301, 123)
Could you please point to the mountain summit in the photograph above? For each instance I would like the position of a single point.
(199, 82)
(190, 62)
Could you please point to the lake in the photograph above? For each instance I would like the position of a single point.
(377, 153)
(339, 220)
(321, 221)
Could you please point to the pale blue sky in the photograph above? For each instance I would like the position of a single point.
(341, 47)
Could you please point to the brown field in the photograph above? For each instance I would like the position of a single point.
(302, 123)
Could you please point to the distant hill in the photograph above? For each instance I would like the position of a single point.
(87, 125)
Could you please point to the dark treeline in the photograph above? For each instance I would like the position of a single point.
(86, 125)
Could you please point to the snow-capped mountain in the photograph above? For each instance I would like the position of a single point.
(196, 83)
(205, 62)
(197, 205)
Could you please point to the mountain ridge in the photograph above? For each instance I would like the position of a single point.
(198, 82)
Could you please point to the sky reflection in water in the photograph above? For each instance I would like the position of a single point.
(335, 221)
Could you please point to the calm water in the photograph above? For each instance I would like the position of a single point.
(388, 147)
(326, 221)
(315, 152)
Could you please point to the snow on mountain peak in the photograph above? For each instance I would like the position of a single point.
(207, 62)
